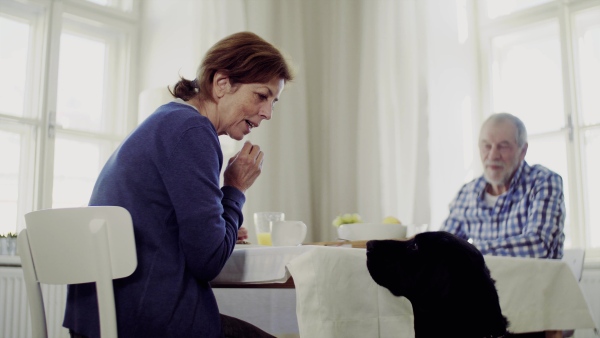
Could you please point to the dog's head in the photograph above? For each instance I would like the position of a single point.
(446, 280)
(426, 262)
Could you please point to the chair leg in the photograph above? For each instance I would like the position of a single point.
(34, 292)
(104, 284)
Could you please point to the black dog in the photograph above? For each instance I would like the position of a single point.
(446, 280)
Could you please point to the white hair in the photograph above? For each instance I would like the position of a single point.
(521, 130)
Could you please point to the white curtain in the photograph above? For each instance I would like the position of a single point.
(350, 132)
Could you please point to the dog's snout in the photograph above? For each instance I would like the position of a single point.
(370, 245)
(373, 246)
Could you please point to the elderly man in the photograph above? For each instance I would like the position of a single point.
(513, 209)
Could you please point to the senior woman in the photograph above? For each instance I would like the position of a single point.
(166, 174)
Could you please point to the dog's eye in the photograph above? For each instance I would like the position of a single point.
(413, 247)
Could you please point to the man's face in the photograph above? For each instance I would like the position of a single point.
(500, 154)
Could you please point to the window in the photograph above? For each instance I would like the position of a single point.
(541, 62)
(586, 50)
(123, 5)
(498, 8)
(66, 79)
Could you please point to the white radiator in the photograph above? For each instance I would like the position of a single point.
(14, 309)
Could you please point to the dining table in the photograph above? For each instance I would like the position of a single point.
(327, 291)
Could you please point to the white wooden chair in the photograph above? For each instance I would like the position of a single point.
(574, 258)
(72, 246)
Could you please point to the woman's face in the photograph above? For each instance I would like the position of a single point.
(242, 107)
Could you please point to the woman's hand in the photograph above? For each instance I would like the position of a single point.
(242, 236)
(243, 168)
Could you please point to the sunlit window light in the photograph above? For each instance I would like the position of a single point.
(591, 167)
(76, 167)
(498, 8)
(80, 106)
(527, 77)
(9, 180)
(124, 5)
(497, 95)
(99, 2)
(589, 59)
(13, 65)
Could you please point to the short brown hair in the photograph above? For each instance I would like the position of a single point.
(244, 57)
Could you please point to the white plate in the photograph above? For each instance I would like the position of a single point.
(369, 231)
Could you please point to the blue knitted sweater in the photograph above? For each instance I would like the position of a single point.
(166, 174)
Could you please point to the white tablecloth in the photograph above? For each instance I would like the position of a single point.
(259, 264)
(336, 297)
(273, 310)
(539, 294)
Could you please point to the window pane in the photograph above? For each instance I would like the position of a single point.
(10, 149)
(496, 8)
(76, 167)
(14, 42)
(81, 83)
(555, 160)
(591, 179)
(123, 5)
(527, 78)
(587, 48)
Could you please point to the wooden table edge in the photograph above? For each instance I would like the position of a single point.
(288, 284)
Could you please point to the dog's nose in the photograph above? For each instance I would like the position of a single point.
(371, 245)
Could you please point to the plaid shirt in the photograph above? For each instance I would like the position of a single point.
(526, 221)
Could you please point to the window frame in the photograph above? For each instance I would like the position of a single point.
(37, 126)
(563, 12)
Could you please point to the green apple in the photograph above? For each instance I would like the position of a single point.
(391, 220)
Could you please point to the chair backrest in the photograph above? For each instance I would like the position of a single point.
(574, 258)
(72, 246)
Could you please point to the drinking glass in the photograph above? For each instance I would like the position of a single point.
(263, 221)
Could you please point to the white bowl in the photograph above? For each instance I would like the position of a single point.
(369, 231)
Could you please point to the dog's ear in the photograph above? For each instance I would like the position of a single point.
(456, 251)
(448, 257)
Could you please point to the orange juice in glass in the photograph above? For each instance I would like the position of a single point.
(264, 223)
(264, 238)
